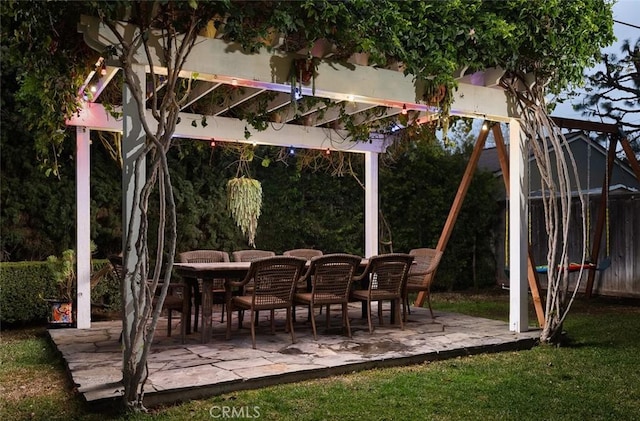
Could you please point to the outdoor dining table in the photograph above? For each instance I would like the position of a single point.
(207, 272)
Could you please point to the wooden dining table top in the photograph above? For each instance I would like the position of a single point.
(221, 269)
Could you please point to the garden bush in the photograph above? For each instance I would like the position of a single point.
(24, 286)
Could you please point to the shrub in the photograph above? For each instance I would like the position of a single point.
(25, 285)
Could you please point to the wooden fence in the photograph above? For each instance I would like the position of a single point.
(620, 243)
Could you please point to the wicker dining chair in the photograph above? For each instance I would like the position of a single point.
(331, 277)
(304, 253)
(274, 280)
(206, 256)
(421, 274)
(251, 255)
(384, 279)
(303, 286)
(174, 301)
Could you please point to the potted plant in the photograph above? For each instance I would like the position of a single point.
(63, 270)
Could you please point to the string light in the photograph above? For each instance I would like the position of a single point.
(404, 109)
(234, 82)
(327, 152)
(292, 150)
(485, 126)
(212, 143)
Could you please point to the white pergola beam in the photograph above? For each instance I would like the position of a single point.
(95, 117)
(338, 81)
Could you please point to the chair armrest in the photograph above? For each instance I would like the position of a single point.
(236, 283)
(363, 275)
(305, 279)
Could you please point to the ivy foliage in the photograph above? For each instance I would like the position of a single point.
(48, 59)
(557, 38)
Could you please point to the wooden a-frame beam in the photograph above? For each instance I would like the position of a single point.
(602, 214)
(454, 211)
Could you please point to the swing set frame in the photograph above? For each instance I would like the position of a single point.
(616, 135)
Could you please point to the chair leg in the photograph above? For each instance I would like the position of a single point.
(313, 321)
(405, 307)
(169, 323)
(197, 299)
(369, 316)
(328, 315)
(229, 310)
(398, 315)
(253, 329)
(345, 318)
(273, 322)
(240, 318)
(290, 322)
(429, 302)
(380, 313)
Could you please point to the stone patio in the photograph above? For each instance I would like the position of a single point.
(180, 372)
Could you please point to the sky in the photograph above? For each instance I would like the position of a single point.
(627, 11)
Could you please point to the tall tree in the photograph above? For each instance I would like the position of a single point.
(613, 93)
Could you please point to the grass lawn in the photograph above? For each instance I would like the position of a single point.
(595, 377)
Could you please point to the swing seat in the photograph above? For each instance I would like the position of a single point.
(573, 267)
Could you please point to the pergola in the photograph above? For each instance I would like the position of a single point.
(215, 64)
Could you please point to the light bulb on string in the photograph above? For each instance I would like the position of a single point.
(404, 109)
(292, 150)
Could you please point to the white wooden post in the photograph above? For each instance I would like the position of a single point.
(518, 239)
(83, 228)
(370, 204)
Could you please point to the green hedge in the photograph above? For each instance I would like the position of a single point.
(25, 285)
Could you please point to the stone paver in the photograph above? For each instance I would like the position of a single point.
(179, 372)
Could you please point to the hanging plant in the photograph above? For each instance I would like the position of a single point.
(245, 204)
